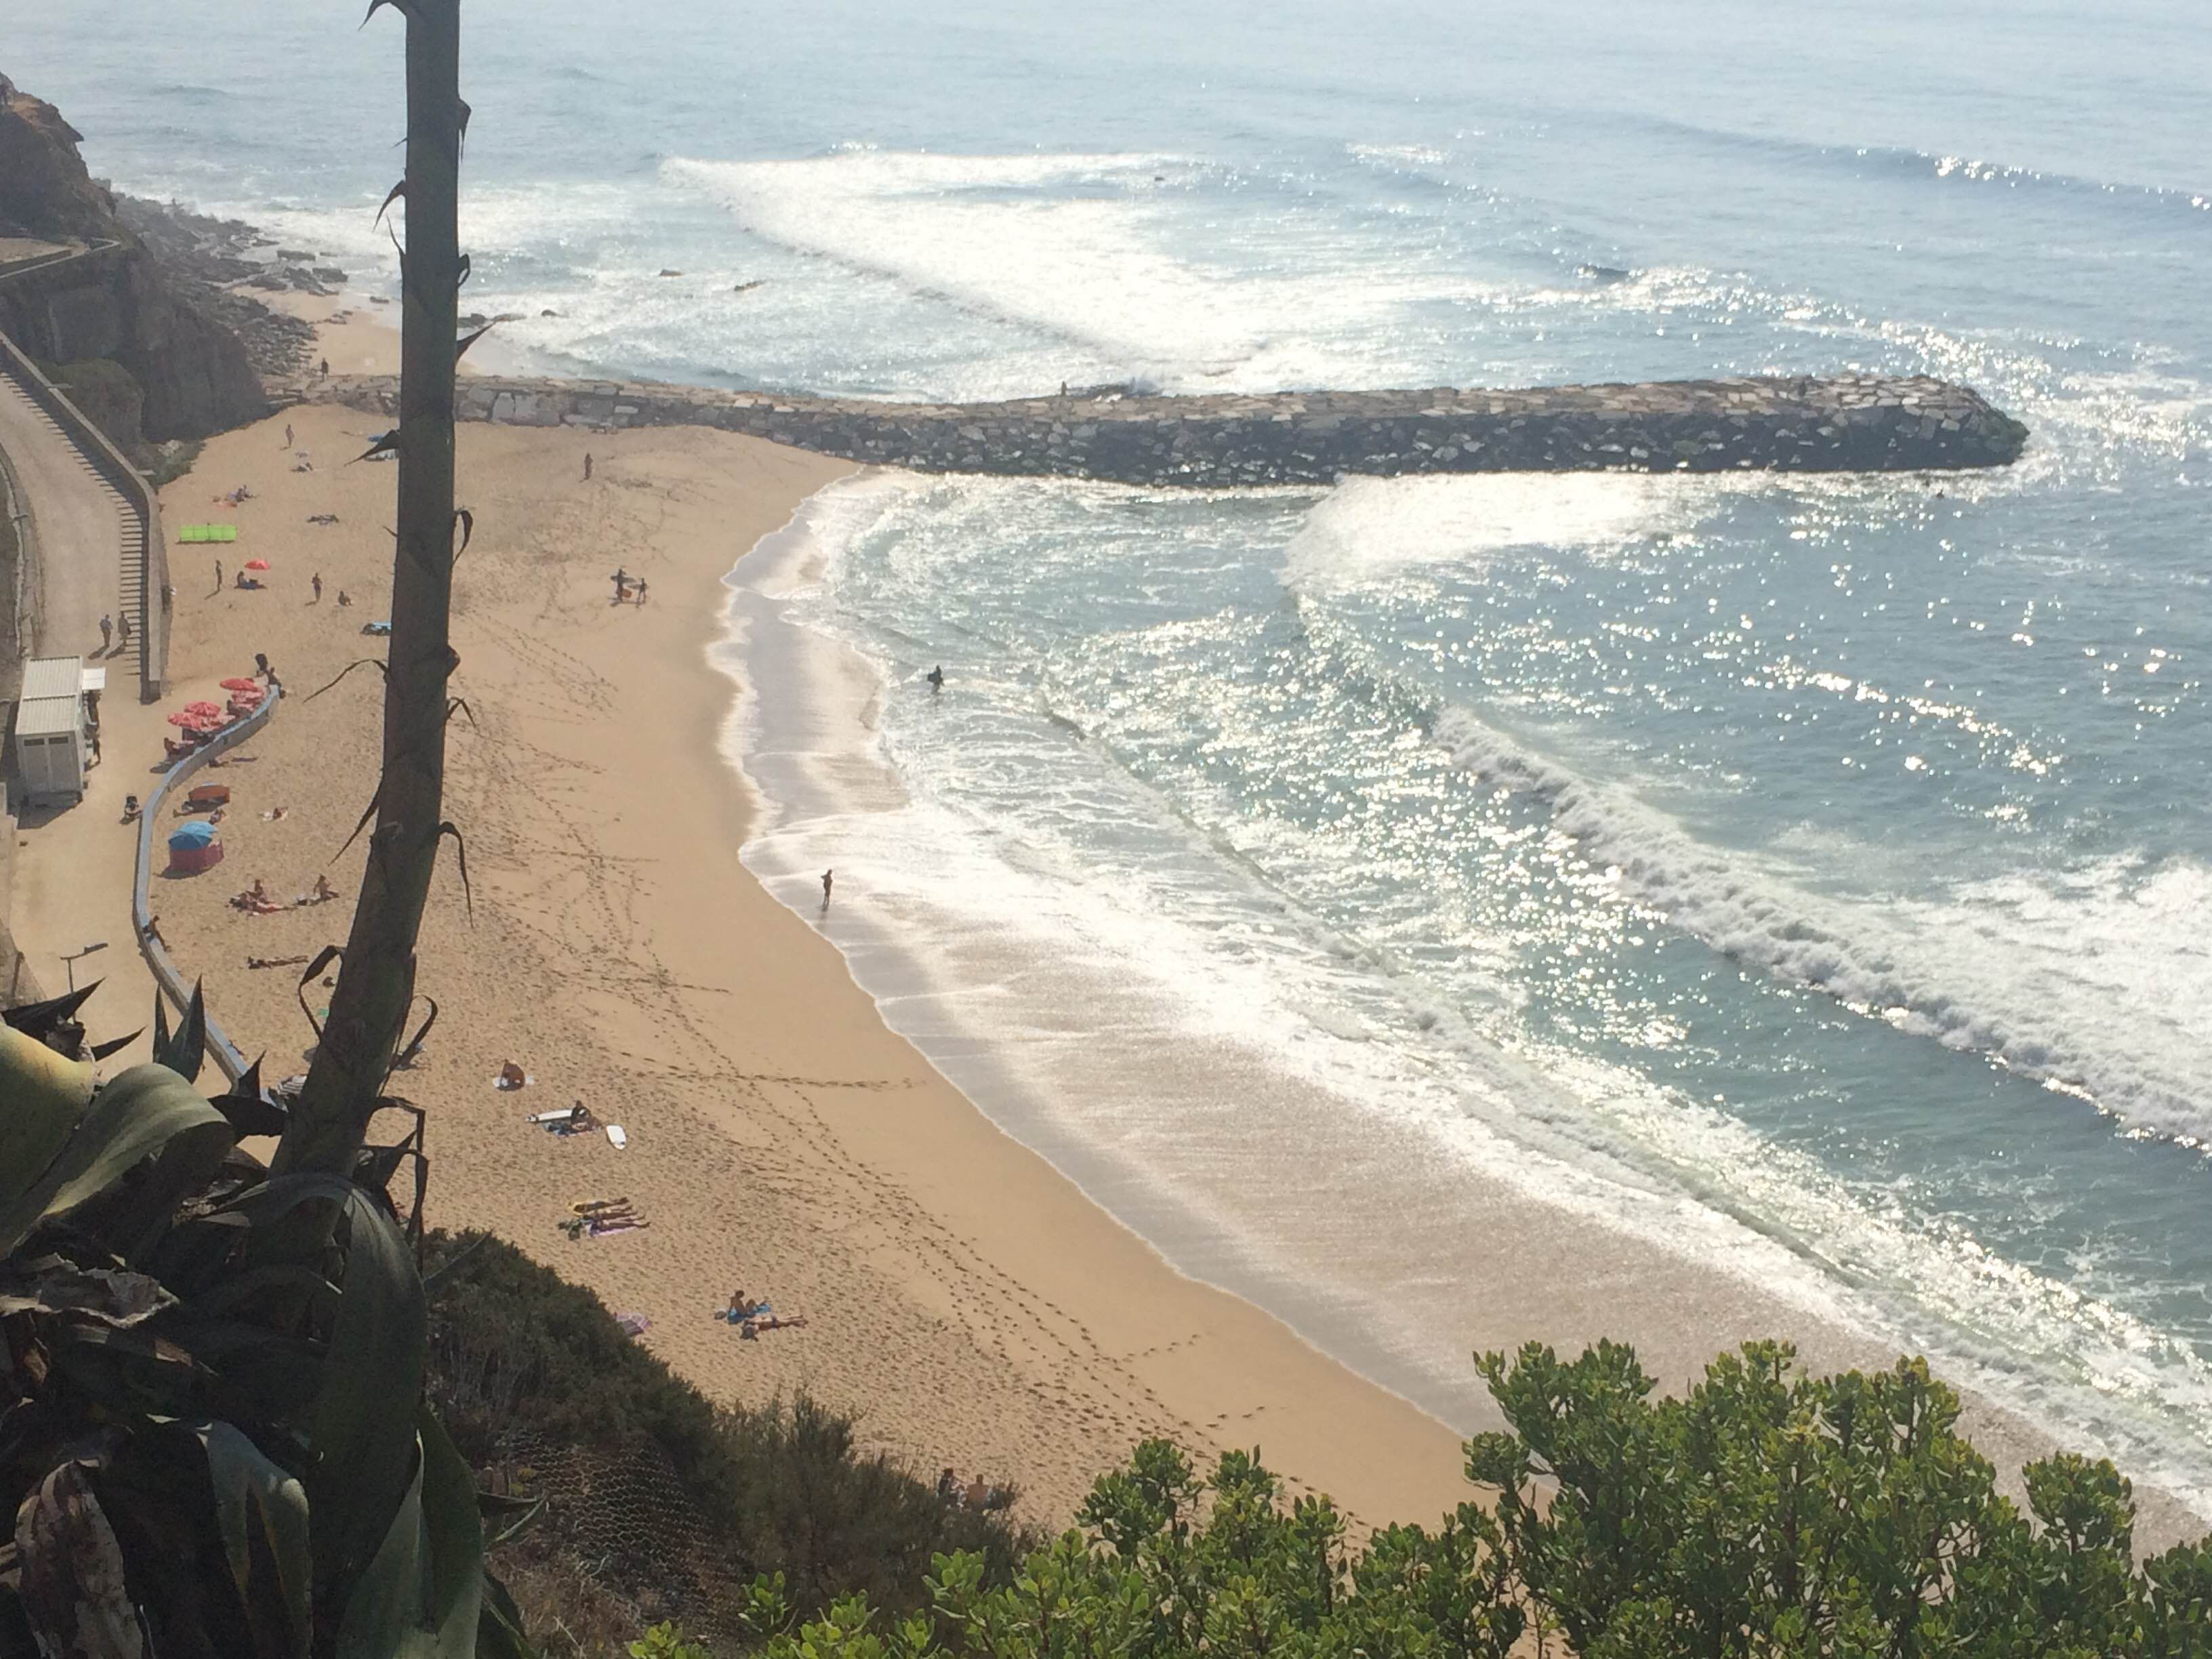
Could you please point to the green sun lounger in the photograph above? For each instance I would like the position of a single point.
(208, 532)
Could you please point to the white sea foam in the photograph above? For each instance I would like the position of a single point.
(1366, 527)
(1104, 251)
(2091, 979)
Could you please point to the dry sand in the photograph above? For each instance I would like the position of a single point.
(972, 1306)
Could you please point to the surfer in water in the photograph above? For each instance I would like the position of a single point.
(936, 678)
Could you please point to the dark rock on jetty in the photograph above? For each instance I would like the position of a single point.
(1827, 424)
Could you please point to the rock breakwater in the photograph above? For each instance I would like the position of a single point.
(1829, 423)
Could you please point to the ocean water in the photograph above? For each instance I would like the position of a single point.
(1811, 877)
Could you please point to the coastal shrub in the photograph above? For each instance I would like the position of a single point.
(1767, 1513)
(653, 1484)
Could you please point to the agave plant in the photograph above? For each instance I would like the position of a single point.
(212, 1442)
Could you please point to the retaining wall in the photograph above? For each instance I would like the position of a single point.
(1833, 423)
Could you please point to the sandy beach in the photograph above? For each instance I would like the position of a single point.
(972, 1306)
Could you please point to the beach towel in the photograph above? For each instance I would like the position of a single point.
(634, 1324)
(617, 1137)
(376, 628)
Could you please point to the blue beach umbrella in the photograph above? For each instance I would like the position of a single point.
(190, 838)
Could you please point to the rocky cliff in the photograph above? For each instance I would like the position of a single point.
(78, 284)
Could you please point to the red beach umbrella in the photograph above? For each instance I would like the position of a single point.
(203, 707)
(181, 717)
(256, 564)
(240, 683)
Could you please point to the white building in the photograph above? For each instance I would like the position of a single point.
(53, 727)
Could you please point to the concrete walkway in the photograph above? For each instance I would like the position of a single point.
(73, 865)
(87, 535)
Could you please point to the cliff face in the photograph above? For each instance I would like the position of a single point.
(114, 302)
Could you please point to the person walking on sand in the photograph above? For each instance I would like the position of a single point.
(123, 630)
(326, 368)
(828, 876)
(315, 581)
(640, 590)
(622, 584)
(588, 466)
(218, 575)
(106, 634)
(287, 435)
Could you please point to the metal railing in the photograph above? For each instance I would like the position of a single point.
(220, 1047)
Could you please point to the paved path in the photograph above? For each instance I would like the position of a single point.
(87, 539)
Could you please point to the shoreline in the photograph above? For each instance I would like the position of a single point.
(965, 1299)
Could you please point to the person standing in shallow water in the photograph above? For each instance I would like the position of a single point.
(936, 678)
(828, 876)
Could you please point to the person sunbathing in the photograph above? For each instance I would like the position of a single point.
(255, 899)
(753, 1328)
(741, 1306)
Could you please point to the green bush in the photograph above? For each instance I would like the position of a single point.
(521, 1358)
(1766, 1513)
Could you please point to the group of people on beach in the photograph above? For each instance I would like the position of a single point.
(258, 901)
(752, 1316)
(628, 589)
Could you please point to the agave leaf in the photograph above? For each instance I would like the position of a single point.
(35, 1019)
(46, 1095)
(422, 1595)
(262, 1510)
(148, 1109)
(183, 1052)
(364, 1424)
(499, 1628)
(52, 1285)
(251, 1112)
(383, 1604)
(70, 1581)
(457, 1543)
(116, 1045)
(244, 1285)
(127, 1372)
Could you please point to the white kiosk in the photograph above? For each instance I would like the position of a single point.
(53, 727)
